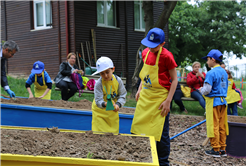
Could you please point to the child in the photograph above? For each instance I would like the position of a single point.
(41, 80)
(232, 96)
(239, 103)
(102, 120)
(215, 91)
(155, 93)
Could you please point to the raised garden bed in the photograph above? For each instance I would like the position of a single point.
(52, 147)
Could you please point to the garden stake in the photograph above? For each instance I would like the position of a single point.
(110, 105)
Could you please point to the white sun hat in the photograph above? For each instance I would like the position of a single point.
(102, 64)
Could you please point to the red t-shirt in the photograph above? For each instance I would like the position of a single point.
(166, 63)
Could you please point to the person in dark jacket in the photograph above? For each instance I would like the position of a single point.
(195, 80)
(7, 51)
(177, 99)
(63, 81)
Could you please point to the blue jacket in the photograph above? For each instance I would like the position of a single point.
(3, 78)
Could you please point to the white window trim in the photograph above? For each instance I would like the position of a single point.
(106, 18)
(140, 14)
(44, 16)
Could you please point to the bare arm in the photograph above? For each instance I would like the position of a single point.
(30, 92)
(138, 92)
(45, 92)
(165, 105)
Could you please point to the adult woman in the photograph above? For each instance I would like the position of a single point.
(63, 80)
(195, 80)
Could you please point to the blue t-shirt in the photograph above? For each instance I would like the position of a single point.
(218, 79)
(31, 79)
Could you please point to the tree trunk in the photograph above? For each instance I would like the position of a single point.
(149, 24)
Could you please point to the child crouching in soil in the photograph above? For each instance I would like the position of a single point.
(215, 91)
(42, 82)
(102, 120)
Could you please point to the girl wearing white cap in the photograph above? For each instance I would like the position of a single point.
(102, 120)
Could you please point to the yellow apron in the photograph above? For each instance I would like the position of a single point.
(102, 120)
(39, 90)
(209, 117)
(147, 118)
(232, 95)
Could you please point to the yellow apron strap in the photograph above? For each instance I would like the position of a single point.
(157, 58)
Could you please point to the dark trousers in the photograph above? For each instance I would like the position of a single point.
(64, 86)
(232, 106)
(163, 147)
(198, 96)
(177, 99)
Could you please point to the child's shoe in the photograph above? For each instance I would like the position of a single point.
(223, 153)
(212, 153)
(240, 106)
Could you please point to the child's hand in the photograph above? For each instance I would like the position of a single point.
(75, 71)
(137, 95)
(116, 108)
(41, 97)
(30, 96)
(105, 104)
(165, 106)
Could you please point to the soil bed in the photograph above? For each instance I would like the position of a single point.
(77, 145)
(186, 149)
(80, 105)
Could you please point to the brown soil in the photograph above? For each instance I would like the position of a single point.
(186, 149)
(77, 145)
(80, 105)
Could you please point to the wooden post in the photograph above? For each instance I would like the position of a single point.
(88, 53)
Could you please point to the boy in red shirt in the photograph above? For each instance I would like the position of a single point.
(155, 93)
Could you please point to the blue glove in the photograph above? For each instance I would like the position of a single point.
(11, 93)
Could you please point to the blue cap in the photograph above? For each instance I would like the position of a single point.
(38, 67)
(154, 37)
(214, 54)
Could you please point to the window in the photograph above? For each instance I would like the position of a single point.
(139, 16)
(106, 13)
(42, 14)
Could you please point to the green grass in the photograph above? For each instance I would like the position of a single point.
(193, 107)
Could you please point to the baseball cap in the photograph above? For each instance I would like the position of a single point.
(214, 54)
(102, 64)
(38, 67)
(154, 37)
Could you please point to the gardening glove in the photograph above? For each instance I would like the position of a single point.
(11, 93)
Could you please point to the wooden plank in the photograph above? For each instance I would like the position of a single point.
(78, 60)
(88, 53)
(93, 35)
(83, 55)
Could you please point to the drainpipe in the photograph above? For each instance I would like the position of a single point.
(126, 45)
(5, 31)
(5, 20)
(59, 32)
(67, 34)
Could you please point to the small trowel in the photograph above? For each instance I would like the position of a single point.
(110, 106)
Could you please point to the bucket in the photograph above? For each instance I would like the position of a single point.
(90, 70)
(236, 140)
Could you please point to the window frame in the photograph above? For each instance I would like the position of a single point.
(44, 15)
(139, 3)
(106, 16)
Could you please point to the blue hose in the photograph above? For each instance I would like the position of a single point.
(188, 129)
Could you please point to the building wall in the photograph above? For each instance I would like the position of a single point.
(42, 45)
(2, 22)
(108, 40)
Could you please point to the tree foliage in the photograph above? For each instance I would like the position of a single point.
(195, 30)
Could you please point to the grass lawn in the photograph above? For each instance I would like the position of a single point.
(193, 107)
